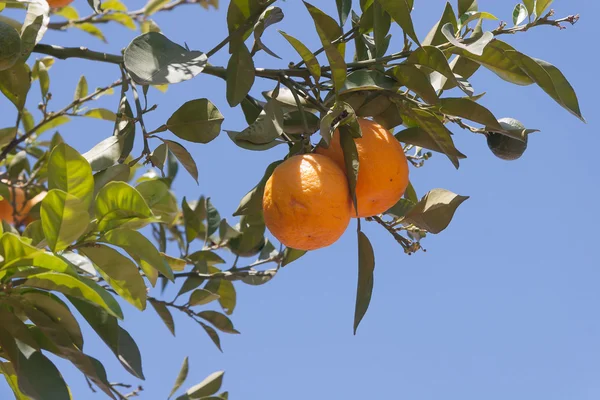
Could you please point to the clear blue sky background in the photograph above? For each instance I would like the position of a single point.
(504, 303)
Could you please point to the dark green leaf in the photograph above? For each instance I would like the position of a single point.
(15, 83)
(307, 56)
(39, 378)
(401, 208)
(366, 266)
(400, 10)
(240, 74)
(367, 80)
(153, 59)
(433, 58)
(201, 297)
(220, 321)
(417, 81)
(466, 6)
(184, 157)
(197, 121)
(214, 336)
(251, 108)
(467, 108)
(34, 27)
(290, 255)
(435, 37)
(520, 14)
(270, 16)
(213, 219)
(181, 377)
(435, 210)
(165, 315)
(351, 161)
(343, 7)
(329, 31)
(265, 130)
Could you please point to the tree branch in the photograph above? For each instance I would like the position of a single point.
(20, 139)
(571, 19)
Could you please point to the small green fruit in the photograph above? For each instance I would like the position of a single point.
(10, 46)
(506, 147)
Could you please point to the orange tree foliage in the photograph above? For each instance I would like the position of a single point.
(80, 248)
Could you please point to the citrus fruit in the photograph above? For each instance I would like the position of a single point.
(382, 172)
(23, 207)
(10, 46)
(59, 3)
(506, 147)
(306, 202)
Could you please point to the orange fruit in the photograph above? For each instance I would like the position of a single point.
(306, 202)
(23, 207)
(59, 3)
(383, 169)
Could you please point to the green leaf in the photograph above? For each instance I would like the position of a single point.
(96, 5)
(290, 255)
(495, 59)
(400, 10)
(165, 315)
(160, 200)
(366, 266)
(227, 296)
(81, 90)
(541, 6)
(401, 208)
(201, 297)
(15, 83)
(433, 58)
(550, 79)
(34, 27)
(343, 7)
(474, 16)
(252, 202)
(119, 172)
(181, 377)
(435, 210)
(101, 113)
(213, 219)
(265, 130)
(17, 328)
(39, 378)
(207, 387)
(240, 74)
(44, 79)
(467, 108)
(53, 123)
(116, 338)
(64, 219)
(530, 6)
(239, 12)
(312, 64)
(435, 37)
(293, 124)
(80, 287)
(197, 121)
(57, 311)
(474, 46)
(106, 153)
(121, 18)
(209, 257)
(9, 373)
(465, 6)
(120, 205)
(120, 273)
(193, 223)
(351, 161)
(214, 336)
(92, 30)
(69, 171)
(381, 26)
(140, 249)
(328, 31)
(437, 138)
(417, 81)
(251, 108)
(520, 14)
(270, 16)
(367, 80)
(153, 59)
(184, 157)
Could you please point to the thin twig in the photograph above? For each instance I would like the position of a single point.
(18, 140)
(571, 19)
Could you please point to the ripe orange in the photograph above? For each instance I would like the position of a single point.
(306, 202)
(383, 169)
(59, 3)
(23, 207)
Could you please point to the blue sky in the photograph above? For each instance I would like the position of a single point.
(502, 305)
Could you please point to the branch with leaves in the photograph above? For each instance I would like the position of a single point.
(85, 240)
